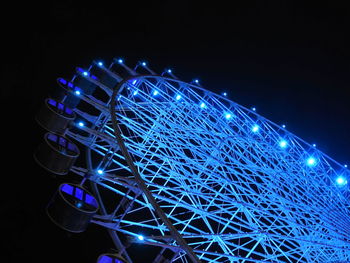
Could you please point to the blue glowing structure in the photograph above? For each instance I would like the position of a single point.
(203, 178)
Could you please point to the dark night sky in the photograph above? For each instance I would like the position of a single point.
(290, 61)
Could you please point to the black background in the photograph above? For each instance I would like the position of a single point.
(289, 61)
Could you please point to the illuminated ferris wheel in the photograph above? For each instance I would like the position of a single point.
(199, 178)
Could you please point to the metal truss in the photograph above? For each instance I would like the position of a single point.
(202, 178)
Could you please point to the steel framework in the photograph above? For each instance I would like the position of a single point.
(201, 178)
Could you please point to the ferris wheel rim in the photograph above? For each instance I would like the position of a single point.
(235, 104)
(119, 87)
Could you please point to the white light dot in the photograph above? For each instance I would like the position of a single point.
(81, 124)
(255, 128)
(120, 61)
(202, 105)
(178, 97)
(341, 181)
(225, 94)
(85, 73)
(155, 93)
(77, 92)
(228, 116)
(283, 143)
(311, 161)
(141, 238)
(100, 64)
(99, 171)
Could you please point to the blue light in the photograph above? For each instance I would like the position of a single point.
(196, 81)
(155, 93)
(77, 92)
(79, 204)
(228, 116)
(144, 64)
(283, 143)
(100, 63)
(202, 105)
(105, 259)
(81, 124)
(67, 189)
(169, 70)
(135, 92)
(345, 165)
(120, 61)
(85, 73)
(178, 97)
(254, 109)
(283, 126)
(63, 81)
(225, 94)
(99, 171)
(134, 82)
(314, 145)
(140, 237)
(311, 161)
(341, 181)
(255, 128)
(79, 193)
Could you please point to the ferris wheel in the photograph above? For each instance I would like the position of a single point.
(199, 178)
